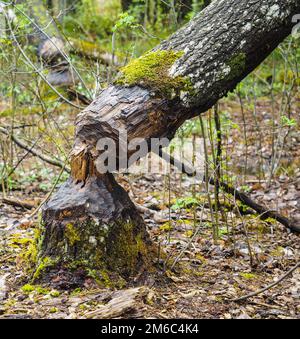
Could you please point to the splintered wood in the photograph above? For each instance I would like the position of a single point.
(123, 303)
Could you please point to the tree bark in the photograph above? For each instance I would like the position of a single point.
(126, 4)
(88, 217)
(92, 231)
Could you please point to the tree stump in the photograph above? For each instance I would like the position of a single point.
(92, 230)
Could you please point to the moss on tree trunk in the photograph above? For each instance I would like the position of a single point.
(91, 231)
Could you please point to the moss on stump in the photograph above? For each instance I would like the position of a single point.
(91, 233)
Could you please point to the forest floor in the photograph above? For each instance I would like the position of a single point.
(249, 254)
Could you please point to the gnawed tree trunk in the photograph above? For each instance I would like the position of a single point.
(93, 230)
(90, 223)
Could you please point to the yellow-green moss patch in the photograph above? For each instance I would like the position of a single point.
(152, 71)
(34, 288)
(166, 227)
(27, 288)
(72, 234)
(43, 265)
(28, 256)
(87, 48)
(246, 275)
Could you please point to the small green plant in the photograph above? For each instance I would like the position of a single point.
(28, 288)
(287, 122)
(125, 21)
(76, 291)
(223, 231)
(183, 203)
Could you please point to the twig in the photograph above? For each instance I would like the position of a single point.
(267, 287)
(33, 66)
(19, 161)
(189, 242)
(49, 194)
(34, 152)
(242, 197)
(55, 45)
(18, 203)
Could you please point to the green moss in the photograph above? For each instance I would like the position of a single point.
(237, 64)
(42, 290)
(75, 264)
(166, 227)
(76, 291)
(86, 48)
(101, 277)
(28, 256)
(278, 252)
(105, 277)
(200, 257)
(152, 71)
(72, 234)
(17, 241)
(270, 221)
(28, 288)
(126, 249)
(45, 263)
(246, 275)
(37, 288)
(9, 303)
(189, 233)
(55, 293)
(107, 253)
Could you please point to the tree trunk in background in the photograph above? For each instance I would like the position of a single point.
(184, 7)
(153, 8)
(206, 3)
(53, 48)
(58, 8)
(126, 4)
(90, 225)
(50, 43)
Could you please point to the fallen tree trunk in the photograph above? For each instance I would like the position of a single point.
(90, 223)
(52, 47)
